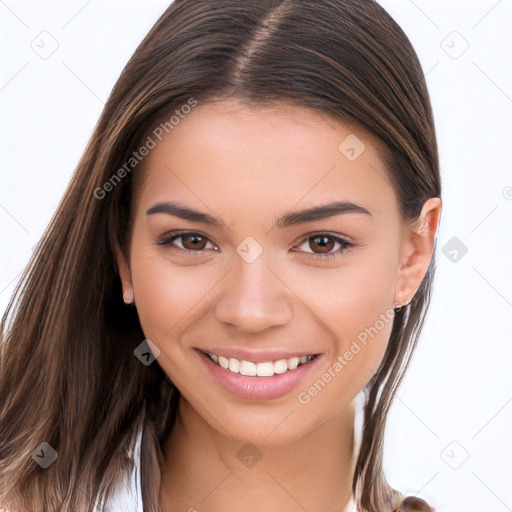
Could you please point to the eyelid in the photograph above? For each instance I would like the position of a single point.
(336, 236)
(344, 242)
(169, 236)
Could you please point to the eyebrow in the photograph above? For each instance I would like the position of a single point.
(289, 219)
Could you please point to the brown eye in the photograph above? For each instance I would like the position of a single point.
(193, 242)
(186, 242)
(323, 243)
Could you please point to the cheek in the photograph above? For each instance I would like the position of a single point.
(165, 293)
(359, 319)
(355, 307)
(351, 297)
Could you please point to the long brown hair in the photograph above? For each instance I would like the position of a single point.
(68, 372)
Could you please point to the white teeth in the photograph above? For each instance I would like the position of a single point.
(265, 369)
(247, 368)
(280, 366)
(234, 365)
(293, 363)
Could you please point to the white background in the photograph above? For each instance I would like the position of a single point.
(456, 401)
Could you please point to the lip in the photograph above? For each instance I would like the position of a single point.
(257, 388)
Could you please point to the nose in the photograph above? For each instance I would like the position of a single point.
(254, 298)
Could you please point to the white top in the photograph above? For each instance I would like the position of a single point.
(128, 498)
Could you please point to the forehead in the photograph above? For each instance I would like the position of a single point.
(230, 154)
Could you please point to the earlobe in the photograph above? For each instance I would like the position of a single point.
(128, 296)
(124, 274)
(417, 251)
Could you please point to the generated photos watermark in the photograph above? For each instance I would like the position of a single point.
(356, 346)
(151, 142)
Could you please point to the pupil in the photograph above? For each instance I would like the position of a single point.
(325, 243)
(195, 242)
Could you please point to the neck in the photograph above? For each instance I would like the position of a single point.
(205, 470)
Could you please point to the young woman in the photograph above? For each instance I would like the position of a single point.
(245, 250)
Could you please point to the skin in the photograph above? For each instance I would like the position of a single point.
(247, 165)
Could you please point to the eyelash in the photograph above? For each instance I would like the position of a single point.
(168, 238)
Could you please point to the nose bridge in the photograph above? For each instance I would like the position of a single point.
(253, 298)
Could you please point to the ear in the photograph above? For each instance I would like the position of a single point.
(124, 274)
(417, 250)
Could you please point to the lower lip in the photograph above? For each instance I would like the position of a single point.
(258, 388)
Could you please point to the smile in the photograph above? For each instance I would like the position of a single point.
(261, 375)
(262, 369)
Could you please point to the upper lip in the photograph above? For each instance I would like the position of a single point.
(260, 356)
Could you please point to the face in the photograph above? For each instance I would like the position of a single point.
(269, 241)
